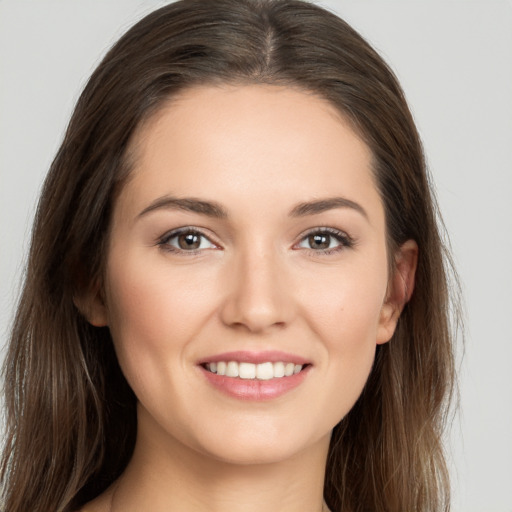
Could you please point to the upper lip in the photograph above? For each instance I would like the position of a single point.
(243, 356)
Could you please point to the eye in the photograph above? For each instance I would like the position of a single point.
(186, 240)
(325, 240)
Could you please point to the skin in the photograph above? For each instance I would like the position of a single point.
(256, 283)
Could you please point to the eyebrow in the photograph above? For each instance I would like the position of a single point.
(322, 205)
(189, 204)
(215, 210)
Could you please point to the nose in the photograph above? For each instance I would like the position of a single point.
(258, 296)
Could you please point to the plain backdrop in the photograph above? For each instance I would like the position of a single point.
(454, 60)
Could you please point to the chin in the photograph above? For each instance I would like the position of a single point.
(252, 455)
(261, 447)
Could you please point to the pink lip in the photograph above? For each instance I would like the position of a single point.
(255, 390)
(273, 356)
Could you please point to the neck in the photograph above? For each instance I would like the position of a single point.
(177, 477)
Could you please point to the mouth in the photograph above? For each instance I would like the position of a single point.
(255, 376)
(250, 371)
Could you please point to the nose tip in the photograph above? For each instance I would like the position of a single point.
(258, 297)
(255, 320)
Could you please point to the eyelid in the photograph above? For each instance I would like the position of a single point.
(346, 241)
(163, 240)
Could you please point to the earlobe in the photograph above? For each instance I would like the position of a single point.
(400, 288)
(91, 304)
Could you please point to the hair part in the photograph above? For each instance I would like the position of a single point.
(69, 409)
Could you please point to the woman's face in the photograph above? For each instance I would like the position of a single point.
(250, 238)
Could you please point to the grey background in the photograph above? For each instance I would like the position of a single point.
(454, 59)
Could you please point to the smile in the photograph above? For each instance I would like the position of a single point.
(251, 371)
(255, 376)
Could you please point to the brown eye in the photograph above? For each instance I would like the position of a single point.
(189, 241)
(326, 241)
(320, 241)
(186, 240)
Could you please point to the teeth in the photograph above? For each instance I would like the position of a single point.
(262, 371)
(288, 369)
(221, 368)
(247, 370)
(278, 369)
(232, 369)
(265, 371)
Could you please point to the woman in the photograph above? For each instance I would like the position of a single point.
(236, 294)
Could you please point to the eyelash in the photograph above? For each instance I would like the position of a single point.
(345, 241)
(163, 242)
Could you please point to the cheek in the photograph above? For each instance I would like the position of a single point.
(136, 305)
(153, 314)
(348, 328)
(345, 317)
(345, 305)
(149, 297)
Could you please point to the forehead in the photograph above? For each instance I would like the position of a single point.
(259, 140)
(255, 108)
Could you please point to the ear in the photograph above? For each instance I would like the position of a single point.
(91, 303)
(399, 292)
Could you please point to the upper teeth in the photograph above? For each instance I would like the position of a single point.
(262, 371)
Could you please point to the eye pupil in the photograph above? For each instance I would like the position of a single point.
(319, 241)
(188, 241)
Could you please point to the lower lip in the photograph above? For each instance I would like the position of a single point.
(253, 389)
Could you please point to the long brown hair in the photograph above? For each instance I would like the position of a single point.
(70, 415)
